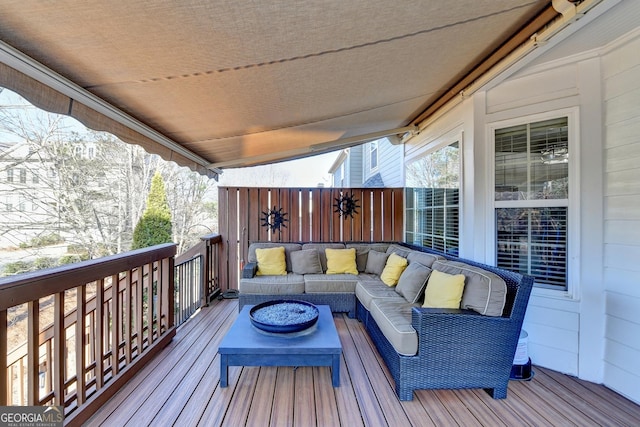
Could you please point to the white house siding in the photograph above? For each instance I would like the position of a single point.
(390, 163)
(392, 172)
(621, 92)
(554, 318)
(591, 330)
(353, 171)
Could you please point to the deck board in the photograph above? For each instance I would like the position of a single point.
(181, 387)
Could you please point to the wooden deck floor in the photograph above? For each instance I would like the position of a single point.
(181, 387)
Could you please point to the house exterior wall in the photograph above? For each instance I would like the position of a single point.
(390, 163)
(554, 317)
(353, 171)
(347, 171)
(621, 93)
(591, 329)
(22, 203)
(358, 169)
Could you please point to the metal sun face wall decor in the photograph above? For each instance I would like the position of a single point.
(346, 205)
(273, 219)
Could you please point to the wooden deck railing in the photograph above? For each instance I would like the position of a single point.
(89, 326)
(50, 302)
(197, 278)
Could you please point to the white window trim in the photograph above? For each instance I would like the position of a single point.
(372, 169)
(573, 215)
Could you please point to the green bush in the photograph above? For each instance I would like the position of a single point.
(69, 259)
(44, 262)
(40, 241)
(46, 240)
(151, 230)
(17, 268)
(154, 227)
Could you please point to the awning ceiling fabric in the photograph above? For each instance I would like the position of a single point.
(243, 83)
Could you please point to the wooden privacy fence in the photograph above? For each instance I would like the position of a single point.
(310, 215)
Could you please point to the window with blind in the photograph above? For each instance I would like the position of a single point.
(532, 200)
(433, 199)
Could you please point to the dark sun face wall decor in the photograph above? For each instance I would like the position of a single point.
(274, 219)
(346, 205)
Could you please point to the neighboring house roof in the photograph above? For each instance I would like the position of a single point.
(342, 156)
(375, 181)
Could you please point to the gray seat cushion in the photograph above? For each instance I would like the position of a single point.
(393, 317)
(367, 290)
(330, 283)
(273, 285)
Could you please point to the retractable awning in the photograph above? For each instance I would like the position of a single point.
(219, 84)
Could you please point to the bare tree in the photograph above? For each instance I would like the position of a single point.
(439, 169)
(87, 186)
(190, 197)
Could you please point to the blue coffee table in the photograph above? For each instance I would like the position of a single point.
(245, 345)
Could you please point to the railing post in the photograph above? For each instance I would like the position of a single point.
(204, 276)
(169, 274)
(116, 324)
(33, 355)
(4, 398)
(80, 347)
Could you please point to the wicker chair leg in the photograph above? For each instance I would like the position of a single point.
(497, 393)
(404, 393)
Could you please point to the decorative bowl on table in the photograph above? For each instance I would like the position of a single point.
(284, 316)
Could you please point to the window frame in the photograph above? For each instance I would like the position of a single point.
(374, 149)
(572, 203)
(441, 143)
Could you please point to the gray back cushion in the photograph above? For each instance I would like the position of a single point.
(376, 262)
(423, 258)
(413, 281)
(320, 247)
(362, 250)
(306, 261)
(484, 291)
(398, 250)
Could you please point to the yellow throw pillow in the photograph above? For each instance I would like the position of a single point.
(444, 290)
(341, 261)
(271, 261)
(393, 269)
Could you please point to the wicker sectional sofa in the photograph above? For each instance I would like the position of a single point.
(424, 348)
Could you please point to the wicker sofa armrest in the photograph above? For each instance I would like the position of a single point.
(481, 340)
(442, 322)
(249, 270)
